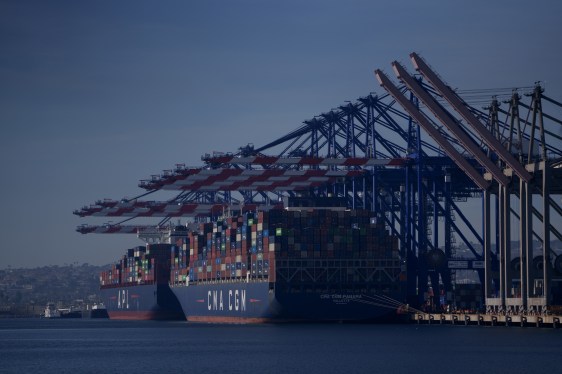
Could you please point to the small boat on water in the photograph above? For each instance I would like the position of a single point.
(51, 311)
(72, 312)
(97, 311)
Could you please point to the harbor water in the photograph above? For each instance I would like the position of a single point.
(106, 346)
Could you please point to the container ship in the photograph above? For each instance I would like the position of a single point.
(137, 288)
(289, 265)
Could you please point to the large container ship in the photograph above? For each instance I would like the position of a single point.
(136, 287)
(282, 265)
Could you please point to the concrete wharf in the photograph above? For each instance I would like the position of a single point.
(482, 319)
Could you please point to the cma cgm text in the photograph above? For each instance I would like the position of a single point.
(236, 300)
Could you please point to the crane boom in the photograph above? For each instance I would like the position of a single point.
(316, 161)
(446, 119)
(112, 229)
(163, 209)
(462, 109)
(432, 131)
(234, 179)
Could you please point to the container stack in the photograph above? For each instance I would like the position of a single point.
(141, 265)
(178, 261)
(327, 234)
(112, 276)
(246, 247)
(219, 250)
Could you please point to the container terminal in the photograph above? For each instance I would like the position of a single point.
(424, 201)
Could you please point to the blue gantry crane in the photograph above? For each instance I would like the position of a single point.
(413, 156)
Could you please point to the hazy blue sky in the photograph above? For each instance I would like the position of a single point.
(95, 95)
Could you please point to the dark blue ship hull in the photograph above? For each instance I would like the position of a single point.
(141, 302)
(95, 313)
(258, 302)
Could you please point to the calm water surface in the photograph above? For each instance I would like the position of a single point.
(104, 346)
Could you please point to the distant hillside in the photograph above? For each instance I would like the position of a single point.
(60, 284)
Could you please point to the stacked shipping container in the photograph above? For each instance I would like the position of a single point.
(140, 265)
(288, 265)
(178, 259)
(246, 247)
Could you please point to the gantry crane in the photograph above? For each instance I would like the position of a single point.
(371, 153)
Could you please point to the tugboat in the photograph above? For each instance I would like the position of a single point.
(97, 311)
(71, 312)
(51, 311)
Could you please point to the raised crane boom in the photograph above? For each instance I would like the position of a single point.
(446, 119)
(462, 109)
(432, 131)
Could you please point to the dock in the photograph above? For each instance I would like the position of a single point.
(465, 319)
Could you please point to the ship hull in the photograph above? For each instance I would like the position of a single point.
(95, 313)
(141, 302)
(72, 314)
(260, 302)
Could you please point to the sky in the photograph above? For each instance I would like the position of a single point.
(96, 95)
